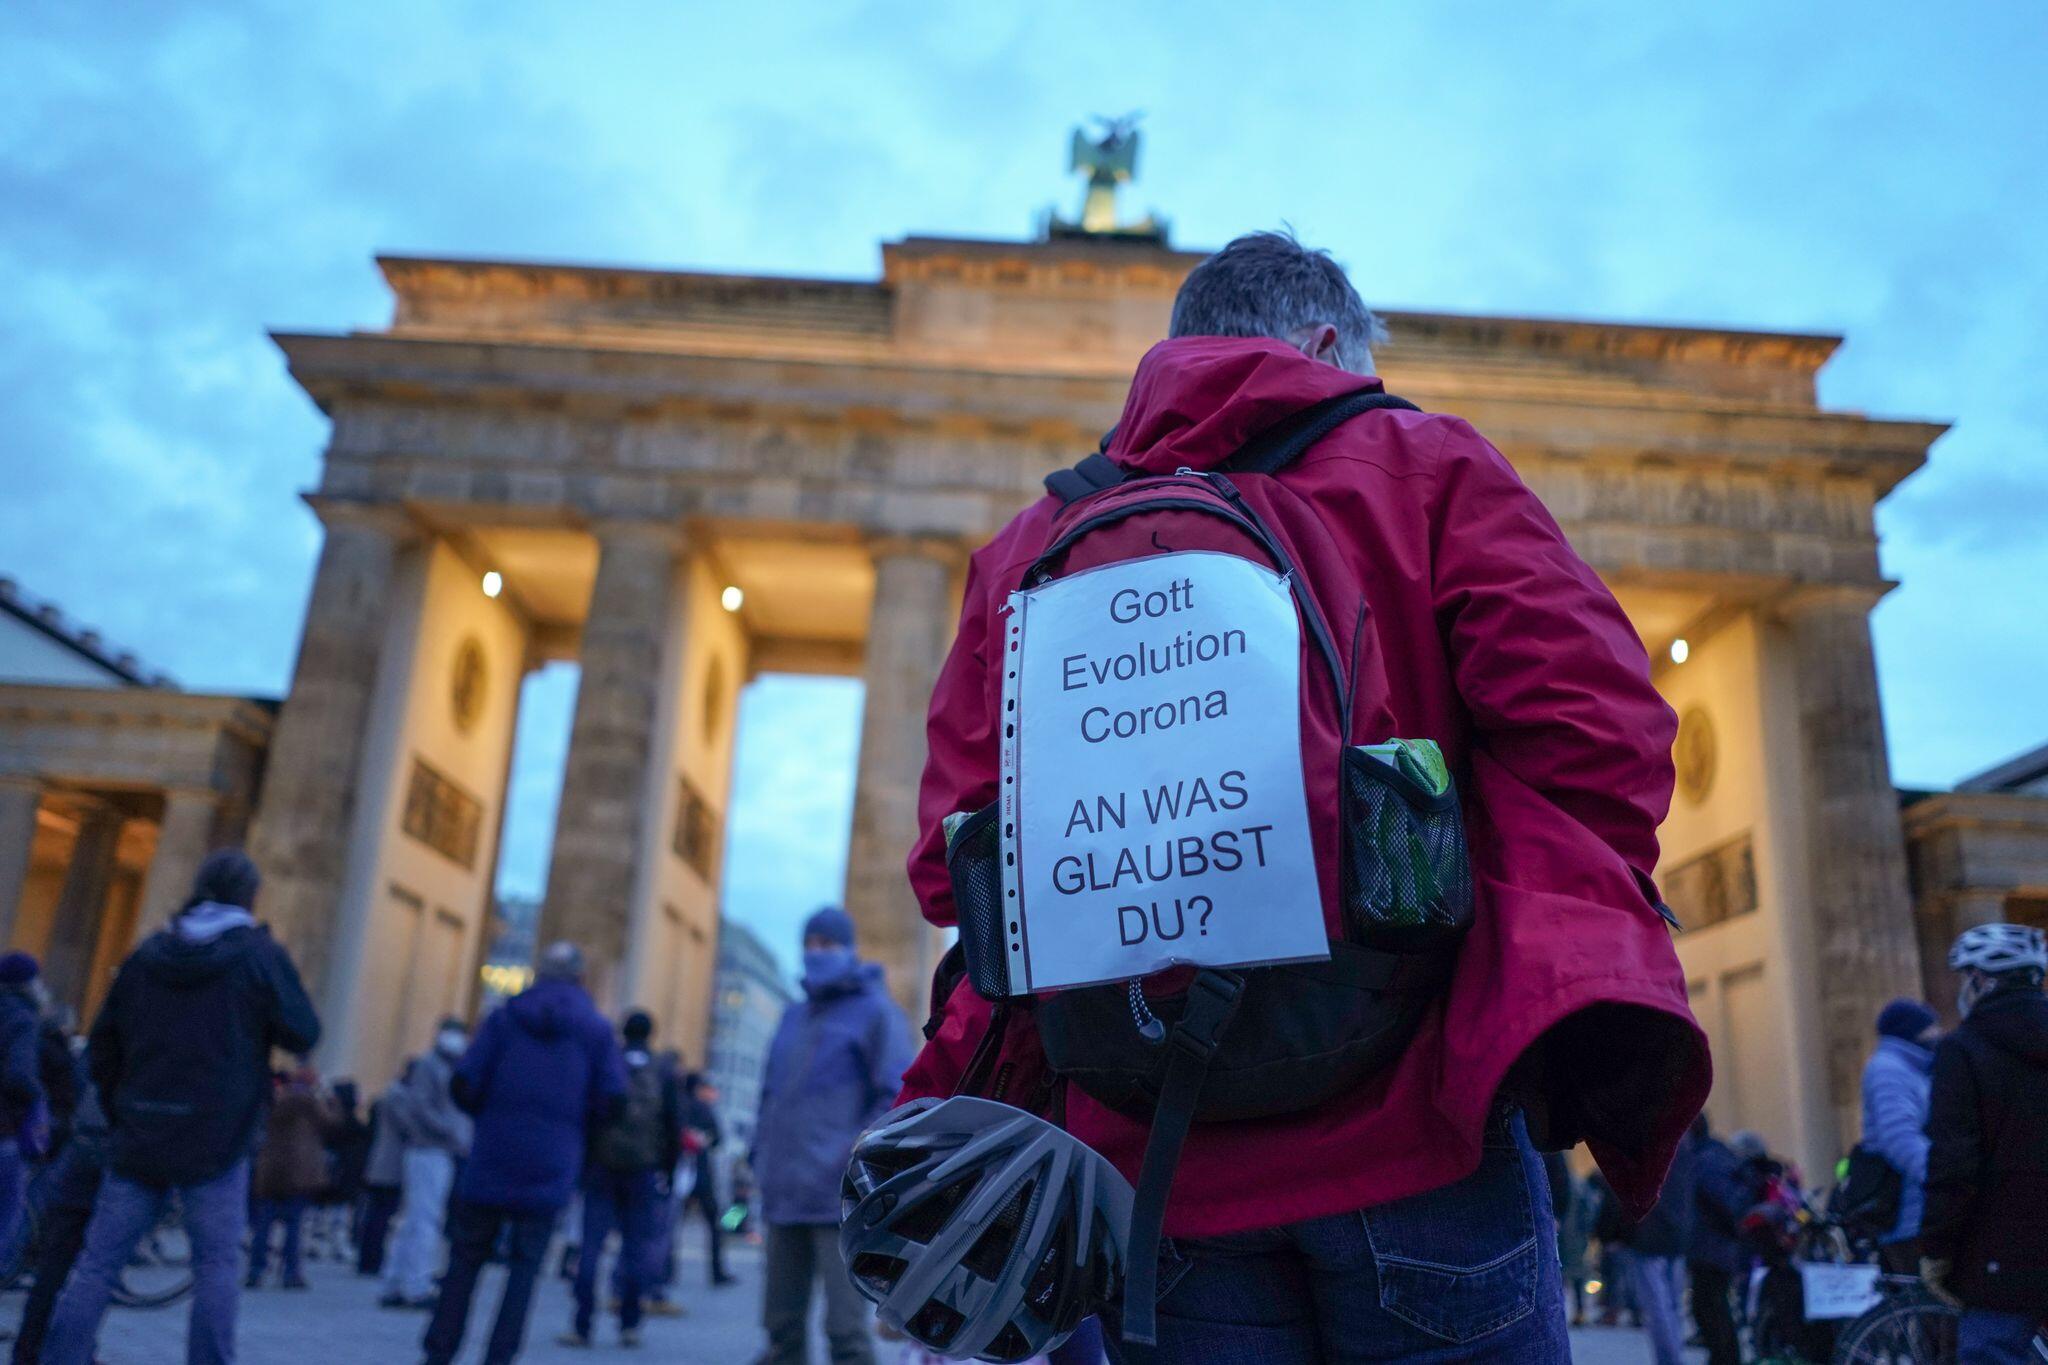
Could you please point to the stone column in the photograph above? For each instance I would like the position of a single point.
(300, 840)
(81, 905)
(183, 839)
(20, 798)
(1863, 923)
(908, 633)
(612, 747)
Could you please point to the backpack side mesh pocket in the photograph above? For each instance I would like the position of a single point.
(974, 862)
(1405, 862)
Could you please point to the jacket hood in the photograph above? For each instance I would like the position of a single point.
(2015, 1022)
(177, 959)
(1920, 1058)
(1196, 400)
(851, 977)
(549, 1008)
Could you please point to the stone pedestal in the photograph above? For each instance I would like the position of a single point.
(183, 840)
(301, 836)
(1861, 912)
(611, 747)
(911, 626)
(20, 798)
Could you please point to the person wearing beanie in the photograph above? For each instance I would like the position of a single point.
(834, 1067)
(180, 1056)
(24, 1113)
(1896, 1084)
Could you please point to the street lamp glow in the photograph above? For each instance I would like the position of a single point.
(1680, 650)
(731, 598)
(494, 583)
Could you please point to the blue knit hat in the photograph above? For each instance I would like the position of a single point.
(831, 924)
(1903, 1018)
(18, 969)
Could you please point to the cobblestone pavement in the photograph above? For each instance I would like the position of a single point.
(337, 1322)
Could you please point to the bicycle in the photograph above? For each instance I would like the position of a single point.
(1908, 1326)
(157, 1275)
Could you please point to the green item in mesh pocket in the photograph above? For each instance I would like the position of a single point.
(1404, 838)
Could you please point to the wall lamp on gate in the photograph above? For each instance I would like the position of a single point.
(494, 583)
(1680, 650)
(732, 597)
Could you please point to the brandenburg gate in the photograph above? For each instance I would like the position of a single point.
(684, 480)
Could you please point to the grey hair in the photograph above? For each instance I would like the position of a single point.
(560, 962)
(1267, 284)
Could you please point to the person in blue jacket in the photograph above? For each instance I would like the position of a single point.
(834, 1068)
(1716, 1257)
(1896, 1083)
(544, 1071)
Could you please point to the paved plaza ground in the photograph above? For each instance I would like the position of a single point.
(337, 1322)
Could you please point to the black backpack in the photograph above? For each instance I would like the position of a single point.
(1867, 1201)
(635, 1140)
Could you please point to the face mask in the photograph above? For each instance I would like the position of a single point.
(451, 1043)
(820, 963)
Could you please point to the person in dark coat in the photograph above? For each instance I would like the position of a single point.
(702, 1135)
(834, 1066)
(383, 1174)
(1716, 1258)
(1984, 1227)
(1657, 1246)
(24, 1112)
(348, 1153)
(67, 1193)
(180, 1055)
(291, 1168)
(544, 1070)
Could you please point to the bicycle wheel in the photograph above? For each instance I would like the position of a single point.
(160, 1272)
(1913, 1328)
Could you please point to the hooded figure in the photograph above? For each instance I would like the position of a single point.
(834, 1066)
(1896, 1084)
(545, 1067)
(833, 1069)
(180, 1052)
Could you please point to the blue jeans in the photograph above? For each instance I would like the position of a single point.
(1660, 1290)
(215, 1214)
(269, 1213)
(1465, 1273)
(1986, 1336)
(472, 1235)
(629, 1202)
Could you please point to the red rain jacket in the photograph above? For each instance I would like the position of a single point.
(1503, 646)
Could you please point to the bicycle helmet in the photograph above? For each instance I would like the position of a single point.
(980, 1230)
(2000, 948)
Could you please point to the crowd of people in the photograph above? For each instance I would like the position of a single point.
(1225, 1164)
(1949, 1183)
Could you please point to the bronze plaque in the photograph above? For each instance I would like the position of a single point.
(441, 814)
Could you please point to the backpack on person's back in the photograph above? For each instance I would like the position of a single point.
(638, 1138)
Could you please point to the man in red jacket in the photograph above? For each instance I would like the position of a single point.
(1407, 1219)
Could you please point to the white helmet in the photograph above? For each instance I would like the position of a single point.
(2000, 948)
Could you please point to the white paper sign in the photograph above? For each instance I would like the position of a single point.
(1153, 811)
(1837, 1291)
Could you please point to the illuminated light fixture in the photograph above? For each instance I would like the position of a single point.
(494, 583)
(1594, 1286)
(731, 598)
(1680, 650)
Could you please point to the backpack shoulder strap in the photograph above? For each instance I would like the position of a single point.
(1091, 475)
(1278, 446)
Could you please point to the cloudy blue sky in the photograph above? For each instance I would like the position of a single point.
(176, 178)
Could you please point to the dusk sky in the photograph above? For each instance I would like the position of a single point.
(176, 179)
